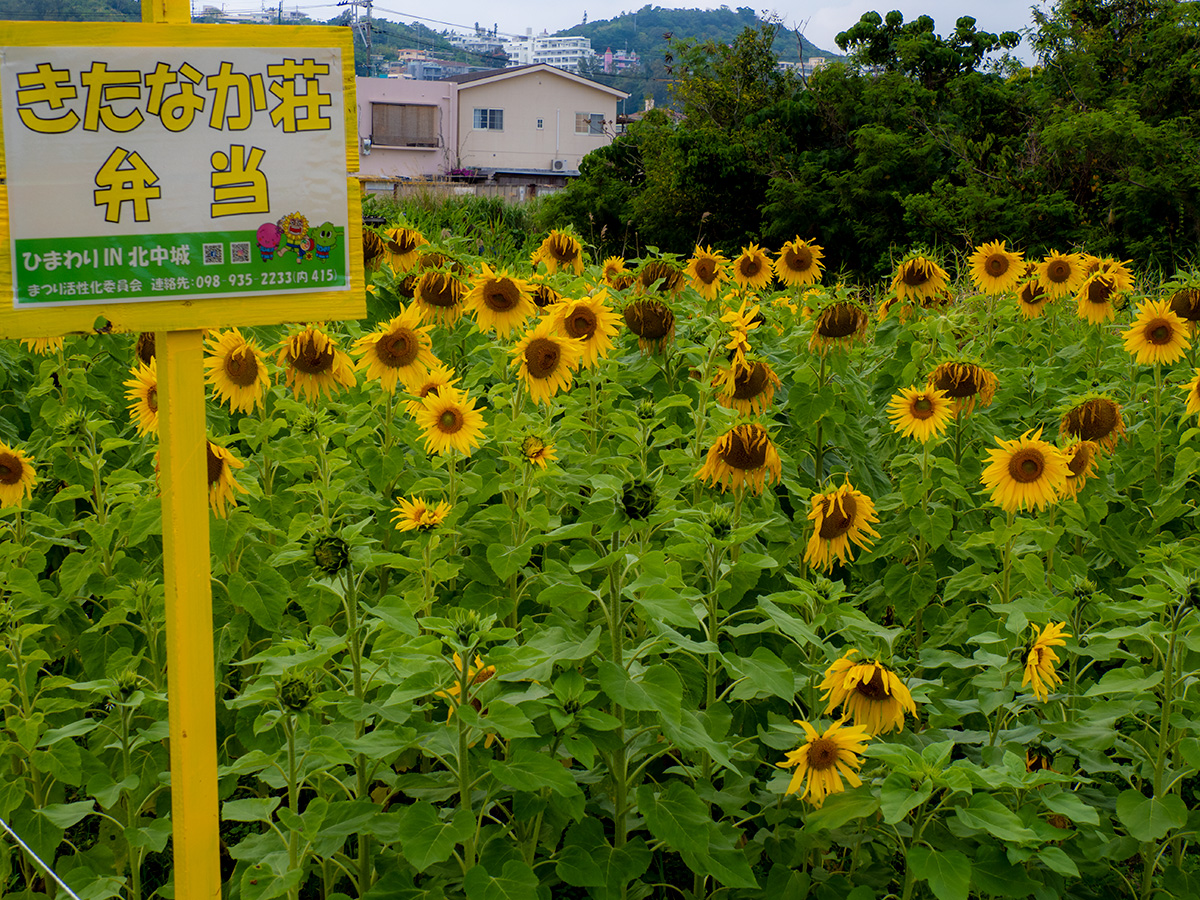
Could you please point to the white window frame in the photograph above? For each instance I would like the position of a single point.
(483, 119)
(589, 123)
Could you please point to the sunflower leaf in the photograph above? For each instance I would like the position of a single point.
(948, 873)
(1150, 818)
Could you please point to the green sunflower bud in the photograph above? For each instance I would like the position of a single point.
(330, 554)
(638, 499)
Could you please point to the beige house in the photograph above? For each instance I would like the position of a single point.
(531, 121)
(406, 128)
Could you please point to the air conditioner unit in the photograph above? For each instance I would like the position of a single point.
(558, 165)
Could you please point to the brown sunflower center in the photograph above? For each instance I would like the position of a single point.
(501, 295)
(1026, 465)
(749, 266)
(915, 275)
(1032, 294)
(241, 367)
(839, 321)
(922, 408)
(398, 348)
(11, 468)
(145, 347)
(1099, 290)
(310, 360)
(745, 448)
(450, 421)
(837, 517)
(152, 399)
(543, 296)
(749, 383)
(564, 250)
(403, 243)
(822, 753)
(429, 389)
(216, 465)
(581, 323)
(439, 289)
(798, 259)
(372, 246)
(1159, 332)
(958, 382)
(1079, 462)
(875, 688)
(542, 356)
(996, 264)
(1059, 271)
(1186, 304)
(1093, 420)
(706, 269)
(649, 319)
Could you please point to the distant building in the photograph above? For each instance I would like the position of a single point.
(804, 67)
(561, 52)
(619, 61)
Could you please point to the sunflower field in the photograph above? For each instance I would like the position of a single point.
(571, 577)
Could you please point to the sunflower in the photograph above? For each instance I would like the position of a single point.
(399, 350)
(501, 303)
(543, 295)
(752, 269)
(17, 476)
(432, 382)
(839, 324)
(222, 486)
(143, 396)
(1115, 269)
(547, 359)
(144, 348)
(314, 364)
(1094, 418)
(919, 278)
(1031, 298)
(416, 515)
(966, 383)
(476, 674)
(824, 759)
(741, 322)
(538, 452)
(373, 247)
(707, 269)
(1081, 465)
(799, 262)
(1185, 298)
(611, 269)
(1193, 395)
(840, 517)
(1040, 659)
(402, 247)
(742, 456)
(450, 421)
(1094, 301)
(748, 388)
(1027, 473)
(560, 248)
(42, 346)
(920, 414)
(994, 269)
(661, 275)
(590, 321)
(870, 694)
(439, 296)
(652, 321)
(1157, 335)
(1060, 274)
(236, 370)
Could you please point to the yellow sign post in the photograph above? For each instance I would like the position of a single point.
(171, 177)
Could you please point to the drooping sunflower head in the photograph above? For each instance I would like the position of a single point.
(799, 262)
(1192, 389)
(538, 452)
(590, 321)
(707, 269)
(450, 421)
(1040, 659)
(663, 276)
(560, 249)
(400, 350)
(840, 517)
(1157, 336)
(223, 488)
(500, 302)
(919, 278)
(546, 359)
(824, 759)
(144, 348)
(748, 388)
(142, 394)
(438, 377)
(994, 269)
(743, 456)
(42, 346)
(1183, 292)
(543, 295)
(920, 413)
(1027, 473)
(237, 370)
(416, 514)
(652, 321)
(373, 248)
(1082, 458)
(870, 694)
(17, 476)
(402, 247)
(965, 382)
(1060, 274)
(439, 296)
(313, 364)
(752, 268)
(1095, 417)
(1031, 298)
(1095, 300)
(838, 324)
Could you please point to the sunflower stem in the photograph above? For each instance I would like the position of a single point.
(819, 442)
(1157, 422)
(1164, 740)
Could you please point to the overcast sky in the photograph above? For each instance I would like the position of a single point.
(820, 20)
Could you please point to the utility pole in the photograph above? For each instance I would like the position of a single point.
(363, 27)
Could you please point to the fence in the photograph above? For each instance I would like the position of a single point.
(407, 189)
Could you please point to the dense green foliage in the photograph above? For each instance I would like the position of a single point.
(921, 138)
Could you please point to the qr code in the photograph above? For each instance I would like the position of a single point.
(239, 252)
(214, 254)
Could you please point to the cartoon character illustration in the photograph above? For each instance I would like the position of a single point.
(268, 236)
(295, 236)
(325, 237)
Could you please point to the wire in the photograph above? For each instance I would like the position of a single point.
(37, 859)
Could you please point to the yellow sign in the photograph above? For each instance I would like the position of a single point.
(166, 177)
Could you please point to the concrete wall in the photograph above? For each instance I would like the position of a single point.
(413, 162)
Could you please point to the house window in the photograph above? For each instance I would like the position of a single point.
(589, 123)
(404, 125)
(540, 125)
(489, 119)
